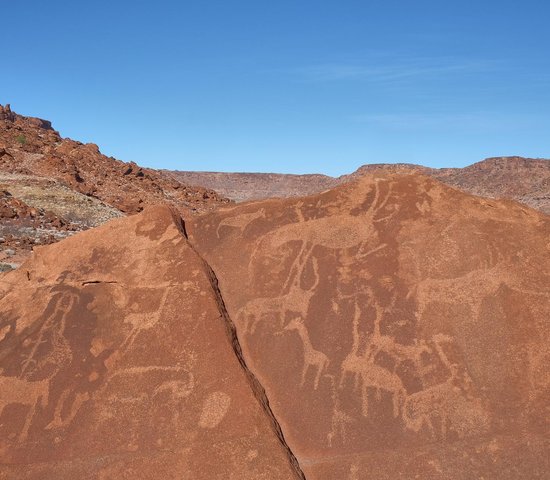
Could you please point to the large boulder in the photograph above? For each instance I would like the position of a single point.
(117, 360)
(401, 328)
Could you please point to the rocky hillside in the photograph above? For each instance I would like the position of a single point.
(31, 146)
(391, 328)
(76, 183)
(38, 211)
(525, 180)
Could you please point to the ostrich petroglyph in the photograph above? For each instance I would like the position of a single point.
(312, 358)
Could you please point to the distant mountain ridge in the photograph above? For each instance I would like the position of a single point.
(525, 180)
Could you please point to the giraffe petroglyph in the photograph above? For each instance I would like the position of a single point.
(312, 357)
(336, 234)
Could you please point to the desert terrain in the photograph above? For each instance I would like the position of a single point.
(392, 323)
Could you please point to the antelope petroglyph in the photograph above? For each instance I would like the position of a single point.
(144, 321)
(296, 300)
(379, 343)
(447, 404)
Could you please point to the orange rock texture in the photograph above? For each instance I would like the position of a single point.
(400, 327)
(117, 361)
(392, 327)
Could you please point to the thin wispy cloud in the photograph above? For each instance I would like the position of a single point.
(477, 121)
(387, 70)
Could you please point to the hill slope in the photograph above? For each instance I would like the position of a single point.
(31, 146)
(75, 183)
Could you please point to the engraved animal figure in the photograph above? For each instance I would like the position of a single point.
(329, 232)
(63, 304)
(296, 300)
(312, 358)
(35, 395)
(398, 352)
(241, 221)
(447, 402)
(339, 420)
(144, 321)
(369, 375)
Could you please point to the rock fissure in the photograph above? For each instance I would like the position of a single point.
(257, 388)
(93, 282)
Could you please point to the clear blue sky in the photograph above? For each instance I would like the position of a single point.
(286, 85)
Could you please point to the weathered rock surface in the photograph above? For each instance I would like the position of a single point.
(400, 327)
(117, 360)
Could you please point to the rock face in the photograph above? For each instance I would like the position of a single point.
(117, 360)
(400, 327)
(392, 327)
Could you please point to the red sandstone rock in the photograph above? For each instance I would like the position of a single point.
(399, 327)
(117, 361)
